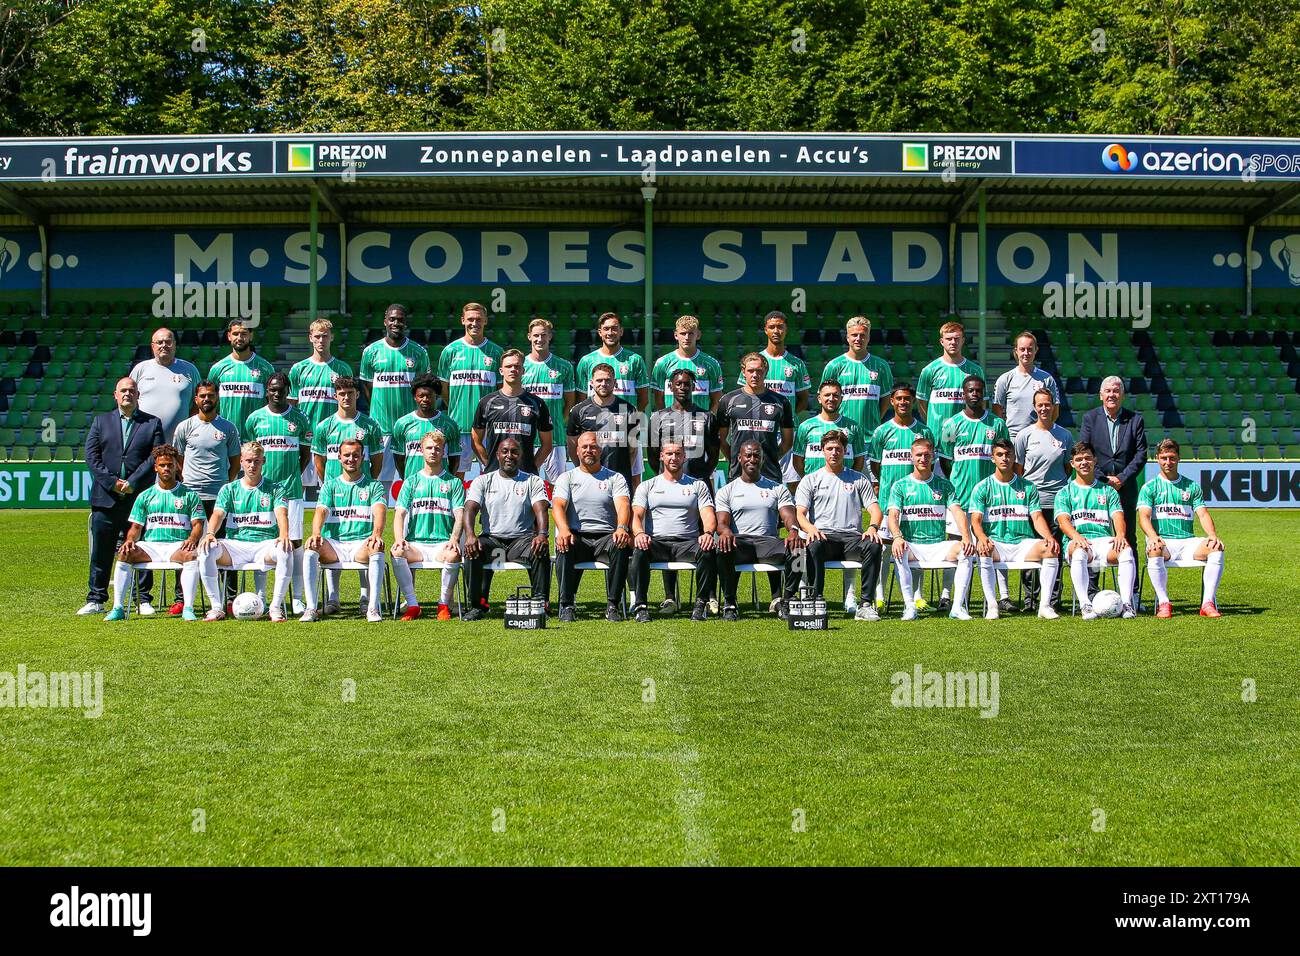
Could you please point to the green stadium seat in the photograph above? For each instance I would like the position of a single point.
(41, 453)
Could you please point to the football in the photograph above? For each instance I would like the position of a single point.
(1105, 603)
(249, 607)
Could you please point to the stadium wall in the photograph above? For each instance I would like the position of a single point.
(705, 262)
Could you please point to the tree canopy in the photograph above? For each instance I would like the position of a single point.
(1172, 67)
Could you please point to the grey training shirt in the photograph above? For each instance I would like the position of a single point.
(506, 504)
(166, 391)
(673, 507)
(1043, 453)
(590, 499)
(835, 502)
(207, 448)
(1014, 392)
(754, 506)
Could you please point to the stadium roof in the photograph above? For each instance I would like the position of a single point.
(921, 177)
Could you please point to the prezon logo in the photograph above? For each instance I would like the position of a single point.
(302, 157)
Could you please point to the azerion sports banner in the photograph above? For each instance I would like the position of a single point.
(44, 484)
(1242, 484)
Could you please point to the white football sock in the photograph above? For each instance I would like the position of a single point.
(905, 582)
(1127, 575)
(331, 584)
(948, 579)
(1079, 576)
(986, 581)
(1213, 574)
(208, 572)
(283, 575)
(449, 577)
(1159, 575)
(376, 574)
(1047, 581)
(311, 577)
(848, 584)
(405, 580)
(961, 581)
(259, 584)
(1004, 592)
(298, 584)
(189, 582)
(123, 574)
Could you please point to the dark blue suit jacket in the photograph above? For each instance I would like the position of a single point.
(1129, 456)
(105, 455)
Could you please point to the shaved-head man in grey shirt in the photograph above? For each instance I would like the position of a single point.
(593, 522)
(672, 520)
(830, 502)
(751, 511)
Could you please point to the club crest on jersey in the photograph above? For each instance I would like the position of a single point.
(334, 377)
(266, 501)
(764, 493)
(487, 361)
(363, 495)
(255, 374)
(178, 502)
(789, 371)
(1187, 496)
(936, 496)
(700, 371)
(554, 374)
(988, 434)
(292, 428)
(602, 485)
(520, 489)
(874, 374)
(526, 412)
(1020, 496)
(769, 409)
(177, 379)
(622, 368)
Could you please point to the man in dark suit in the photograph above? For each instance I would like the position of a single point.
(1120, 438)
(118, 448)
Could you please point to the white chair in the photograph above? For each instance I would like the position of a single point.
(1111, 569)
(602, 566)
(754, 569)
(915, 566)
(677, 566)
(443, 566)
(1184, 563)
(364, 568)
(1005, 566)
(129, 601)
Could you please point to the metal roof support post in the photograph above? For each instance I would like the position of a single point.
(1250, 270)
(952, 267)
(45, 272)
(648, 194)
(311, 284)
(983, 268)
(343, 268)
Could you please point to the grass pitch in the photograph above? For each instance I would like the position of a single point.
(1116, 742)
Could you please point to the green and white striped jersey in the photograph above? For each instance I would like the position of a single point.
(250, 512)
(166, 515)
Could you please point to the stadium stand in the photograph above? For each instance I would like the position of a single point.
(1201, 381)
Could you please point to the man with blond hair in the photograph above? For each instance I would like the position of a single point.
(428, 523)
(311, 381)
(706, 369)
(865, 379)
